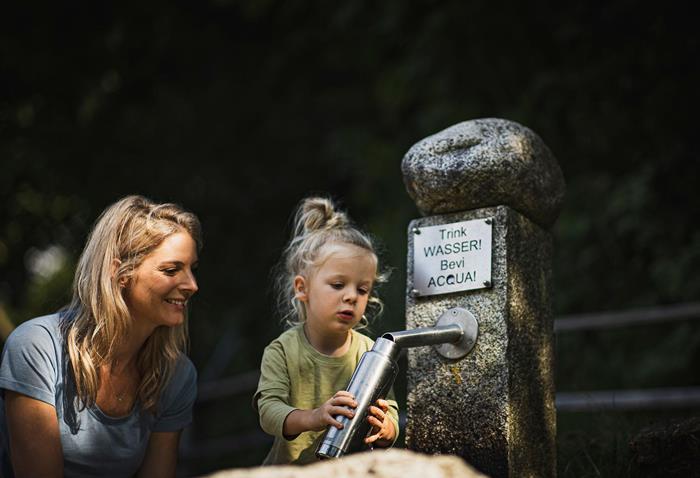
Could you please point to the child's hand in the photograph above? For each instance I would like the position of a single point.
(383, 433)
(322, 416)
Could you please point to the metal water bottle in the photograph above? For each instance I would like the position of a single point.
(454, 336)
(372, 379)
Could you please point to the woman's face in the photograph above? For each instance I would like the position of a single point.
(160, 287)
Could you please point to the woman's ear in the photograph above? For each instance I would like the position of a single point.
(123, 281)
(300, 291)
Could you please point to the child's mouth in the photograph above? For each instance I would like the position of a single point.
(346, 315)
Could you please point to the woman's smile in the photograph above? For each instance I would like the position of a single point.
(180, 304)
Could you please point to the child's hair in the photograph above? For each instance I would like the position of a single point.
(317, 223)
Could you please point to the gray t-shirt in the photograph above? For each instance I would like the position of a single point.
(34, 363)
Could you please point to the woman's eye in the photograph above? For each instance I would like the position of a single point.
(170, 272)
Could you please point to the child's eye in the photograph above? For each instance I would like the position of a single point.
(337, 285)
(363, 291)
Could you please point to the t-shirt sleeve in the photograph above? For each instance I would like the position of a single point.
(175, 412)
(30, 363)
(271, 399)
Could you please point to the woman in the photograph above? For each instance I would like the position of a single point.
(104, 388)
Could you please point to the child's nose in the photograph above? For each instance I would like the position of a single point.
(350, 296)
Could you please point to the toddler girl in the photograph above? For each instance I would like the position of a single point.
(329, 270)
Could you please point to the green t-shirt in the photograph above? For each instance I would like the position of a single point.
(294, 375)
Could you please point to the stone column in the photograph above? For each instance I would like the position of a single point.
(494, 407)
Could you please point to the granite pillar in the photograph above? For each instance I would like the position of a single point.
(494, 407)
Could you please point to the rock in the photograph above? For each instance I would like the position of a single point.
(482, 163)
(392, 463)
(667, 450)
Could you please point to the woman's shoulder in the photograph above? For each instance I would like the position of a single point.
(183, 380)
(184, 371)
(38, 331)
(178, 396)
(32, 359)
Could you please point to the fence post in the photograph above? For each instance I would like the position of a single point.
(489, 190)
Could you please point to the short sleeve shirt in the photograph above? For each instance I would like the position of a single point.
(294, 375)
(34, 363)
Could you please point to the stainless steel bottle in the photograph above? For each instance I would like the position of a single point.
(454, 334)
(372, 379)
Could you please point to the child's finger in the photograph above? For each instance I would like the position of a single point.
(377, 412)
(346, 400)
(333, 422)
(383, 404)
(335, 411)
(343, 393)
(375, 422)
(372, 438)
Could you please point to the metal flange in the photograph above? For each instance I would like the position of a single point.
(468, 323)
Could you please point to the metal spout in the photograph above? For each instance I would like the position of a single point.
(444, 334)
(453, 336)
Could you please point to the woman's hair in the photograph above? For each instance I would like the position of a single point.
(98, 318)
(318, 223)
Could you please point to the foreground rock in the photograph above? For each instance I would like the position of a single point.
(394, 463)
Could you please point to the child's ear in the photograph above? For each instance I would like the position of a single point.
(300, 291)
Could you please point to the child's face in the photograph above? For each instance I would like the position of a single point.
(335, 294)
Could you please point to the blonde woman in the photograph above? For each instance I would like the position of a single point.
(104, 388)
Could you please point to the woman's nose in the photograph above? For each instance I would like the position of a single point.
(190, 283)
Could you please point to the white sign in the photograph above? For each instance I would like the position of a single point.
(452, 257)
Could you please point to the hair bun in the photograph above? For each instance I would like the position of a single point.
(316, 214)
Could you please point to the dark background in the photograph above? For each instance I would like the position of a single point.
(239, 109)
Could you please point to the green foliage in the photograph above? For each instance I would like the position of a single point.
(238, 109)
(598, 445)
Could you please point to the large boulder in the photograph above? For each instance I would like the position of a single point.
(392, 463)
(482, 163)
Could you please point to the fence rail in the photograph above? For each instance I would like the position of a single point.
(628, 400)
(642, 316)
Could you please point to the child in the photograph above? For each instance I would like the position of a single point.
(329, 270)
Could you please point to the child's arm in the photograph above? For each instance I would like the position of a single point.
(271, 399)
(299, 421)
(383, 432)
